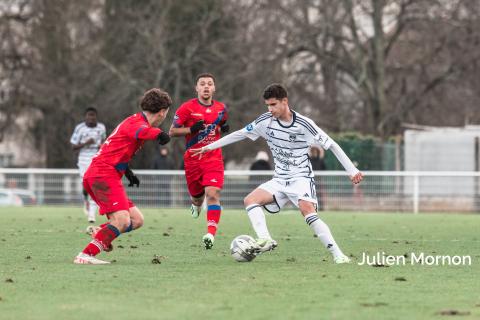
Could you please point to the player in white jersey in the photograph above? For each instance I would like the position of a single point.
(87, 138)
(289, 136)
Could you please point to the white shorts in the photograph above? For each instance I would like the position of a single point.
(291, 190)
(81, 169)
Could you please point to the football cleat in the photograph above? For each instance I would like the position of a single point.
(208, 240)
(341, 259)
(264, 245)
(84, 258)
(195, 211)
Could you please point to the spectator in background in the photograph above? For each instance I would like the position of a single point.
(86, 140)
(162, 161)
(317, 156)
(261, 162)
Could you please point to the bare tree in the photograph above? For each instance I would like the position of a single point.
(15, 61)
(363, 50)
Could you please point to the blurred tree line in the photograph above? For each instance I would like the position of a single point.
(351, 65)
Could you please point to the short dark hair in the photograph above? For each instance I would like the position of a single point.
(204, 75)
(275, 90)
(90, 109)
(155, 100)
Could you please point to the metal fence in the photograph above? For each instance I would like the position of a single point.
(395, 191)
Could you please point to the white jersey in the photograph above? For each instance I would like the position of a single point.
(289, 143)
(81, 134)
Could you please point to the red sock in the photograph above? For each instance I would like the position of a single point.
(213, 217)
(103, 240)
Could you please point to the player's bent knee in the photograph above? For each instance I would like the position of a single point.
(124, 224)
(121, 220)
(248, 200)
(213, 195)
(137, 222)
(306, 207)
(213, 198)
(136, 218)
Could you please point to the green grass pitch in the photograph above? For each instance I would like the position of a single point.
(297, 281)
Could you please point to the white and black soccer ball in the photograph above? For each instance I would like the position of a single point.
(242, 248)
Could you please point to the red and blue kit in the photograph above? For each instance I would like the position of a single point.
(207, 171)
(103, 178)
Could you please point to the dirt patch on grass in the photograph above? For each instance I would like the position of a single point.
(453, 313)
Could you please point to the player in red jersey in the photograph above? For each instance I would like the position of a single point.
(201, 120)
(103, 178)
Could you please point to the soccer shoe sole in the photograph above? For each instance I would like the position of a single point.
(82, 261)
(342, 260)
(95, 261)
(208, 243)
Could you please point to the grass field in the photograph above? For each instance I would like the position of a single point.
(297, 281)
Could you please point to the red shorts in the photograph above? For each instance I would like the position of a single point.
(107, 191)
(203, 174)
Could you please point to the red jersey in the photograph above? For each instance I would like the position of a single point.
(213, 115)
(124, 142)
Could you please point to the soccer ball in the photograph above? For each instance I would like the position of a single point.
(242, 248)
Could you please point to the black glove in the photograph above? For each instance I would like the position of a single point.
(163, 138)
(224, 128)
(197, 126)
(132, 178)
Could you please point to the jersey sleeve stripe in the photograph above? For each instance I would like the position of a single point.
(268, 118)
(305, 126)
(138, 132)
(271, 128)
(307, 123)
(263, 117)
(313, 132)
(308, 126)
(296, 141)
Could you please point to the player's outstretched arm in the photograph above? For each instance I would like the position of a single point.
(355, 175)
(228, 139)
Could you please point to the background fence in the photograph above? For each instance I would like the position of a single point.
(380, 191)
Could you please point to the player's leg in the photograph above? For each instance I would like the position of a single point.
(86, 204)
(322, 230)
(195, 188)
(212, 180)
(136, 221)
(197, 202)
(92, 210)
(214, 210)
(303, 194)
(113, 201)
(253, 204)
(118, 222)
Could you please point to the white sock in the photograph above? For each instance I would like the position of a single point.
(259, 223)
(323, 233)
(92, 209)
